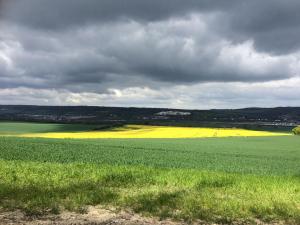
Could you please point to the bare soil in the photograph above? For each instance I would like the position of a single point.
(93, 216)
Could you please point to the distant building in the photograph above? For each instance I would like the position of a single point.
(173, 113)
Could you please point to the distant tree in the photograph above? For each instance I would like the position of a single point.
(296, 130)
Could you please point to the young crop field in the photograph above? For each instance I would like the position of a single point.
(216, 180)
(18, 128)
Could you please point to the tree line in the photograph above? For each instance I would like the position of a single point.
(296, 130)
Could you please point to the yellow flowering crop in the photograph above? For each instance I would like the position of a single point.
(141, 131)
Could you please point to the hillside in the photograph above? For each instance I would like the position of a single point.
(283, 117)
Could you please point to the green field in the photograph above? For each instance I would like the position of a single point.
(256, 155)
(212, 179)
(22, 128)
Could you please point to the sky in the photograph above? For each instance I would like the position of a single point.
(194, 54)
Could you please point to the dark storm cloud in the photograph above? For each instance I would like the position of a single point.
(98, 45)
(174, 51)
(56, 14)
(273, 24)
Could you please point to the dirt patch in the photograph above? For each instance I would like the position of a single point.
(94, 216)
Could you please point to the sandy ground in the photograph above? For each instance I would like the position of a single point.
(94, 216)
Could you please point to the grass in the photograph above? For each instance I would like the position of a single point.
(177, 193)
(218, 180)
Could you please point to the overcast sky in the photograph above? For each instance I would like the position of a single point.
(194, 54)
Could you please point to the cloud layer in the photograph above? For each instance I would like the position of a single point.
(190, 54)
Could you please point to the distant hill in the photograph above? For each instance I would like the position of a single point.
(281, 116)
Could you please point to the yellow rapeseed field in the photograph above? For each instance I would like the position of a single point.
(141, 131)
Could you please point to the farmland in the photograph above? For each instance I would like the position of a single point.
(129, 131)
(21, 128)
(216, 179)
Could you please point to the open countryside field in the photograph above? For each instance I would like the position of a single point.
(127, 131)
(15, 128)
(216, 180)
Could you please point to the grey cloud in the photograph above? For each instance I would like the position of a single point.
(272, 24)
(204, 96)
(173, 51)
(54, 14)
(78, 46)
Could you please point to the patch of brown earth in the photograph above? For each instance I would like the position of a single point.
(93, 216)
